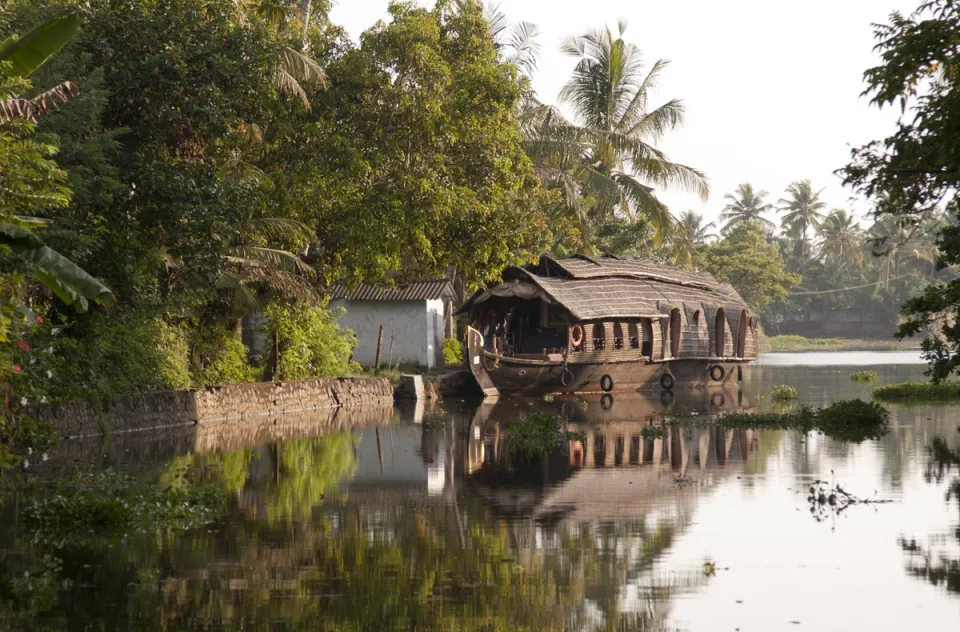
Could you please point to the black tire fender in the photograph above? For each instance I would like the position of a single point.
(606, 383)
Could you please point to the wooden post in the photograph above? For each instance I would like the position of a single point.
(393, 336)
(379, 349)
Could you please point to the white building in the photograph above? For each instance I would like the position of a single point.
(414, 320)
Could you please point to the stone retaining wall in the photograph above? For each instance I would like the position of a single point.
(213, 404)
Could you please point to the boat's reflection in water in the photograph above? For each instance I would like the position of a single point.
(618, 469)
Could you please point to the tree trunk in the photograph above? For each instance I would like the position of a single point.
(305, 11)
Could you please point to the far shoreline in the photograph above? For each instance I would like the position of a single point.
(799, 344)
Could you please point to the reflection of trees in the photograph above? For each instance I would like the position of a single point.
(937, 568)
(284, 481)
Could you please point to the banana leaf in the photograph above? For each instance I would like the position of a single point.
(63, 277)
(28, 52)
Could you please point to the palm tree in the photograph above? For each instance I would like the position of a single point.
(516, 43)
(841, 238)
(295, 67)
(696, 230)
(802, 210)
(745, 205)
(605, 161)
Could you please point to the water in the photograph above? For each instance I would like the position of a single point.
(436, 526)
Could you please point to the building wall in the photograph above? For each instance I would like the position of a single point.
(416, 328)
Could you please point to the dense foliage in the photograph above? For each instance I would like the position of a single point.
(914, 173)
(753, 266)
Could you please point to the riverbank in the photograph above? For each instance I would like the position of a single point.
(800, 343)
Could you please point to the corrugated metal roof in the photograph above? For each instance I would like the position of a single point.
(428, 289)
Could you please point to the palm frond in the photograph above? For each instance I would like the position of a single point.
(33, 108)
(277, 228)
(252, 257)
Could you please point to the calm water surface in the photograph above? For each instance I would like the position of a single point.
(434, 526)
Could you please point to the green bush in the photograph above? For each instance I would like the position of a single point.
(784, 393)
(865, 376)
(312, 343)
(218, 356)
(109, 355)
(452, 352)
(918, 391)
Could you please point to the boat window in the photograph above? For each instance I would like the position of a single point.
(617, 336)
(634, 336)
(599, 337)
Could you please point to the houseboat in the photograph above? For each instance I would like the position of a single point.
(606, 324)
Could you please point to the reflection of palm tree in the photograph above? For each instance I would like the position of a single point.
(802, 210)
(745, 205)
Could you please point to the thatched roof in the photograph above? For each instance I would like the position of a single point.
(611, 287)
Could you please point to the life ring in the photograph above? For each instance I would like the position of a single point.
(606, 401)
(576, 335)
(667, 382)
(715, 403)
(606, 384)
(566, 378)
(667, 397)
(717, 373)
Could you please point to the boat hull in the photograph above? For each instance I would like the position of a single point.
(499, 374)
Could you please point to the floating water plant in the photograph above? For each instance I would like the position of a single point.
(654, 432)
(784, 393)
(918, 391)
(851, 420)
(865, 377)
(538, 434)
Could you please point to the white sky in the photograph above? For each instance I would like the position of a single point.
(771, 87)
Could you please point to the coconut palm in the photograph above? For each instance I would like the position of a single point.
(744, 205)
(605, 160)
(841, 238)
(802, 210)
(696, 230)
(295, 67)
(516, 43)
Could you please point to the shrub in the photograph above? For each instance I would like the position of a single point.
(784, 393)
(218, 356)
(312, 343)
(452, 352)
(109, 355)
(918, 391)
(865, 376)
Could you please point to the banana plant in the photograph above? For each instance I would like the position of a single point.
(29, 180)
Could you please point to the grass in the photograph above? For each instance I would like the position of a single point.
(865, 376)
(393, 375)
(918, 391)
(800, 343)
(784, 393)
